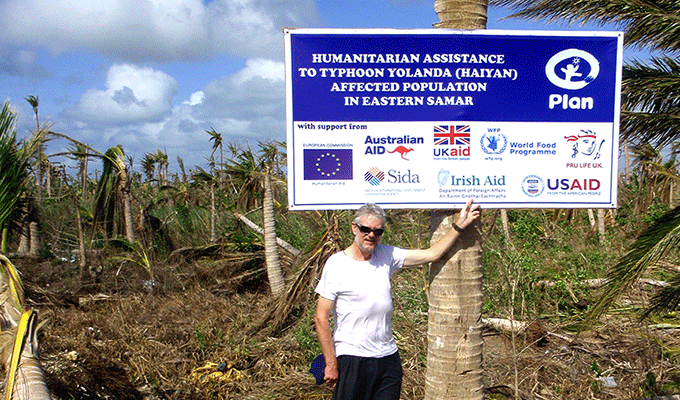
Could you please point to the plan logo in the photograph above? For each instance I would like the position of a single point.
(572, 69)
(533, 186)
(493, 142)
(585, 144)
(374, 176)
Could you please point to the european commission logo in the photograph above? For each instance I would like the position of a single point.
(374, 176)
(327, 164)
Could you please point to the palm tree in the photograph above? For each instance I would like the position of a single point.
(114, 186)
(201, 176)
(253, 178)
(650, 92)
(162, 161)
(14, 167)
(660, 239)
(454, 351)
(271, 248)
(18, 340)
(149, 166)
(34, 102)
(461, 14)
(216, 138)
(650, 109)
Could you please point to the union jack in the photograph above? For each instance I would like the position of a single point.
(453, 135)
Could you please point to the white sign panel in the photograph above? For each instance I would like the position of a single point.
(430, 118)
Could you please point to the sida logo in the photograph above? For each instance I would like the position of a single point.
(533, 186)
(374, 176)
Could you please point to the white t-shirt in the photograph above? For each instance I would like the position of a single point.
(363, 302)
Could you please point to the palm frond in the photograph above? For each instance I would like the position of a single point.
(646, 23)
(652, 245)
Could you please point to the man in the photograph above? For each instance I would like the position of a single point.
(362, 361)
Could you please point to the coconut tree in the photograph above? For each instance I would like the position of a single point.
(14, 169)
(216, 138)
(454, 353)
(34, 102)
(18, 340)
(650, 90)
(203, 177)
(650, 108)
(253, 178)
(149, 166)
(114, 188)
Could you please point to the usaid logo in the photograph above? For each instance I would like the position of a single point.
(533, 186)
(572, 69)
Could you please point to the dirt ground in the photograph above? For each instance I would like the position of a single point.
(122, 338)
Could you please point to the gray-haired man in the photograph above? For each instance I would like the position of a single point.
(362, 361)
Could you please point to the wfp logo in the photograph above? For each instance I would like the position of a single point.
(572, 69)
(493, 143)
(374, 176)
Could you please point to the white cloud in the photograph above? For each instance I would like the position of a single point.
(133, 95)
(145, 30)
(134, 110)
(21, 63)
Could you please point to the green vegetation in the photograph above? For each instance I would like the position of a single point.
(175, 247)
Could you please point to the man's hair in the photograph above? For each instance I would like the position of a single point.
(370, 209)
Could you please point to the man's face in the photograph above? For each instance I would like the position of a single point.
(588, 145)
(367, 242)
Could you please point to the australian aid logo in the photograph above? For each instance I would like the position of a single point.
(399, 146)
(451, 142)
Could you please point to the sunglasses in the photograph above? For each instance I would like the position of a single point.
(367, 230)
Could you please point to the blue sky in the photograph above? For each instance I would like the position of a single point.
(156, 74)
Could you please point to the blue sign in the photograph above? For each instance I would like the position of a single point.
(393, 116)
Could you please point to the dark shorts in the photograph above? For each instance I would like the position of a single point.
(362, 378)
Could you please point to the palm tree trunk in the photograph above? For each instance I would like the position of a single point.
(626, 154)
(454, 353)
(271, 249)
(454, 336)
(213, 213)
(591, 218)
(461, 14)
(127, 208)
(34, 242)
(601, 212)
(506, 225)
(82, 260)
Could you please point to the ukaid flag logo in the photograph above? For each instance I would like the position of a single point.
(452, 135)
(328, 164)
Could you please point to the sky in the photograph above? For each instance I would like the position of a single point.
(156, 74)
